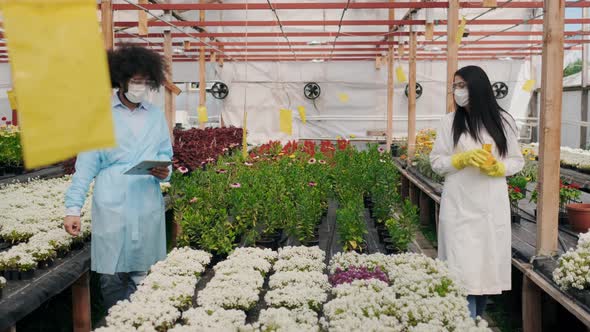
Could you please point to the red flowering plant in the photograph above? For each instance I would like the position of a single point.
(514, 194)
(568, 193)
(327, 149)
(343, 144)
(290, 148)
(309, 148)
(194, 147)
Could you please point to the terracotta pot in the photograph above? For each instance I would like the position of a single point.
(579, 216)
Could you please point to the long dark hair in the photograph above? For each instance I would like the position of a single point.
(484, 111)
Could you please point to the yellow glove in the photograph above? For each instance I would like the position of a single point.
(473, 158)
(496, 169)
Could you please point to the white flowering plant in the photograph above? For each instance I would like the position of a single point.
(162, 296)
(2, 282)
(214, 319)
(573, 270)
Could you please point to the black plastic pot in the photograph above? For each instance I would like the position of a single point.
(2, 171)
(26, 275)
(394, 150)
(88, 238)
(361, 249)
(267, 243)
(216, 258)
(387, 241)
(11, 275)
(581, 295)
(77, 245)
(391, 250)
(515, 218)
(383, 235)
(311, 243)
(45, 264)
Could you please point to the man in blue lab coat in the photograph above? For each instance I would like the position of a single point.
(128, 225)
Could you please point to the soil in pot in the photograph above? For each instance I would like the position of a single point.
(579, 216)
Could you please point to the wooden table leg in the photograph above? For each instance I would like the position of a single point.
(81, 304)
(405, 187)
(436, 213)
(531, 306)
(424, 209)
(415, 194)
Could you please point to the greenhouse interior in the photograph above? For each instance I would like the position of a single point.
(281, 165)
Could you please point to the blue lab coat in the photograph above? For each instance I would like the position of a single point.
(128, 223)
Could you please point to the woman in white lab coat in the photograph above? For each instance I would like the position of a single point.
(474, 223)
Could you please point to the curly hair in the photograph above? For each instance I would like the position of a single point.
(128, 61)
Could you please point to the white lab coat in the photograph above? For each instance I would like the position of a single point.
(474, 235)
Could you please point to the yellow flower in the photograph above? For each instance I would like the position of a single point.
(352, 136)
(338, 137)
(292, 156)
(532, 158)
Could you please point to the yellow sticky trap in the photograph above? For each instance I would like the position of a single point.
(401, 76)
(60, 68)
(343, 97)
(461, 30)
(286, 121)
(529, 85)
(12, 99)
(301, 110)
(202, 112)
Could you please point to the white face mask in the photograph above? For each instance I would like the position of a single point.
(136, 93)
(462, 97)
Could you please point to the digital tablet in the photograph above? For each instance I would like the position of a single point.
(144, 167)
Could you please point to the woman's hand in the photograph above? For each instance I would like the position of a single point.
(160, 172)
(72, 225)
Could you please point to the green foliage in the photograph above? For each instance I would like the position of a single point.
(10, 147)
(422, 164)
(351, 224)
(402, 227)
(573, 68)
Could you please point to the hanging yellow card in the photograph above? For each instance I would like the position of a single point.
(202, 112)
(529, 85)
(12, 99)
(60, 67)
(301, 110)
(461, 30)
(401, 76)
(286, 121)
(343, 97)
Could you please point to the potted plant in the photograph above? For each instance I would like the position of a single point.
(568, 193)
(402, 228)
(515, 195)
(519, 182)
(579, 216)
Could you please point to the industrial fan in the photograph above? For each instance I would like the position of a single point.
(219, 90)
(418, 90)
(312, 90)
(500, 90)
